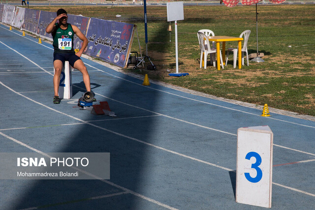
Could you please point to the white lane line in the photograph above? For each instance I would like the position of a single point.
(28, 68)
(306, 161)
(296, 162)
(296, 150)
(23, 72)
(294, 189)
(106, 196)
(167, 116)
(212, 104)
(199, 101)
(13, 64)
(92, 175)
(79, 123)
(137, 140)
(114, 132)
(201, 126)
(25, 37)
(27, 72)
(35, 91)
(23, 144)
(126, 103)
(156, 112)
(27, 59)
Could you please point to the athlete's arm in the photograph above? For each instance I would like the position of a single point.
(51, 27)
(81, 36)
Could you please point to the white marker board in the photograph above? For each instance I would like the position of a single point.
(175, 11)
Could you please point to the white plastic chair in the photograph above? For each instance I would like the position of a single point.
(245, 35)
(210, 33)
(207, 32)
(205, 50)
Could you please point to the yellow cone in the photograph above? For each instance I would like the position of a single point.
(10, 28)
(39, 40)
(23, 34)
(146, 80)
(265, 112)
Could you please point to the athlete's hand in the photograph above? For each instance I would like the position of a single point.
(61, 16)
(79, 54)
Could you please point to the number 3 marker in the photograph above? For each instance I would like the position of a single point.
(254, 166)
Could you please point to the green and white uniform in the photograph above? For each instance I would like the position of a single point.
(63, 39)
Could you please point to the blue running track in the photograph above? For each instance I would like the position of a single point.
(169, 149)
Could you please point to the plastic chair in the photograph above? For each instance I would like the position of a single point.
(210, 33)
(205, 50)
(245, 35)
(207, 32)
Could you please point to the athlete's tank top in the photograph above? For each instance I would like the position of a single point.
(63, 39)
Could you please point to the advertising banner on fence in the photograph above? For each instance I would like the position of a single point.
(44, 20)
(1, 11)
(82, 23)
(18, 17)
(31, 19)
(110, 41)
(8, 14)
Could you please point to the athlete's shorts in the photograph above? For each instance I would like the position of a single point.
(71, 57)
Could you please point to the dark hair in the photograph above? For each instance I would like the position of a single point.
(61, 11)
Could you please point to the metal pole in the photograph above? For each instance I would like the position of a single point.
(176, 46)
(257, 59)
(257, 29)
(145, 27)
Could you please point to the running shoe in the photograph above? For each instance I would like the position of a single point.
(56, 100)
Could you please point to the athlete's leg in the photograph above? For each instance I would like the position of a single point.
(78, 64)
(58, 65)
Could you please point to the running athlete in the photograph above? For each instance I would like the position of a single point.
(63, 34)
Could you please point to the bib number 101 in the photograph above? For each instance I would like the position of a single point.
(255, 166)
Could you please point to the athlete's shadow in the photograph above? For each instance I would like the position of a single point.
(125, 137)
(80, 87)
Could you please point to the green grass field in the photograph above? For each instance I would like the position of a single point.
(286, 80)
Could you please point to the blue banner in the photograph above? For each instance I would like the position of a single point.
(31, 19)
(44, 20)
(110, 41)
(82, 23)
(47, 17)
(1, 12)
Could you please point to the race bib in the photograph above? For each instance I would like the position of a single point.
(65, 44)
